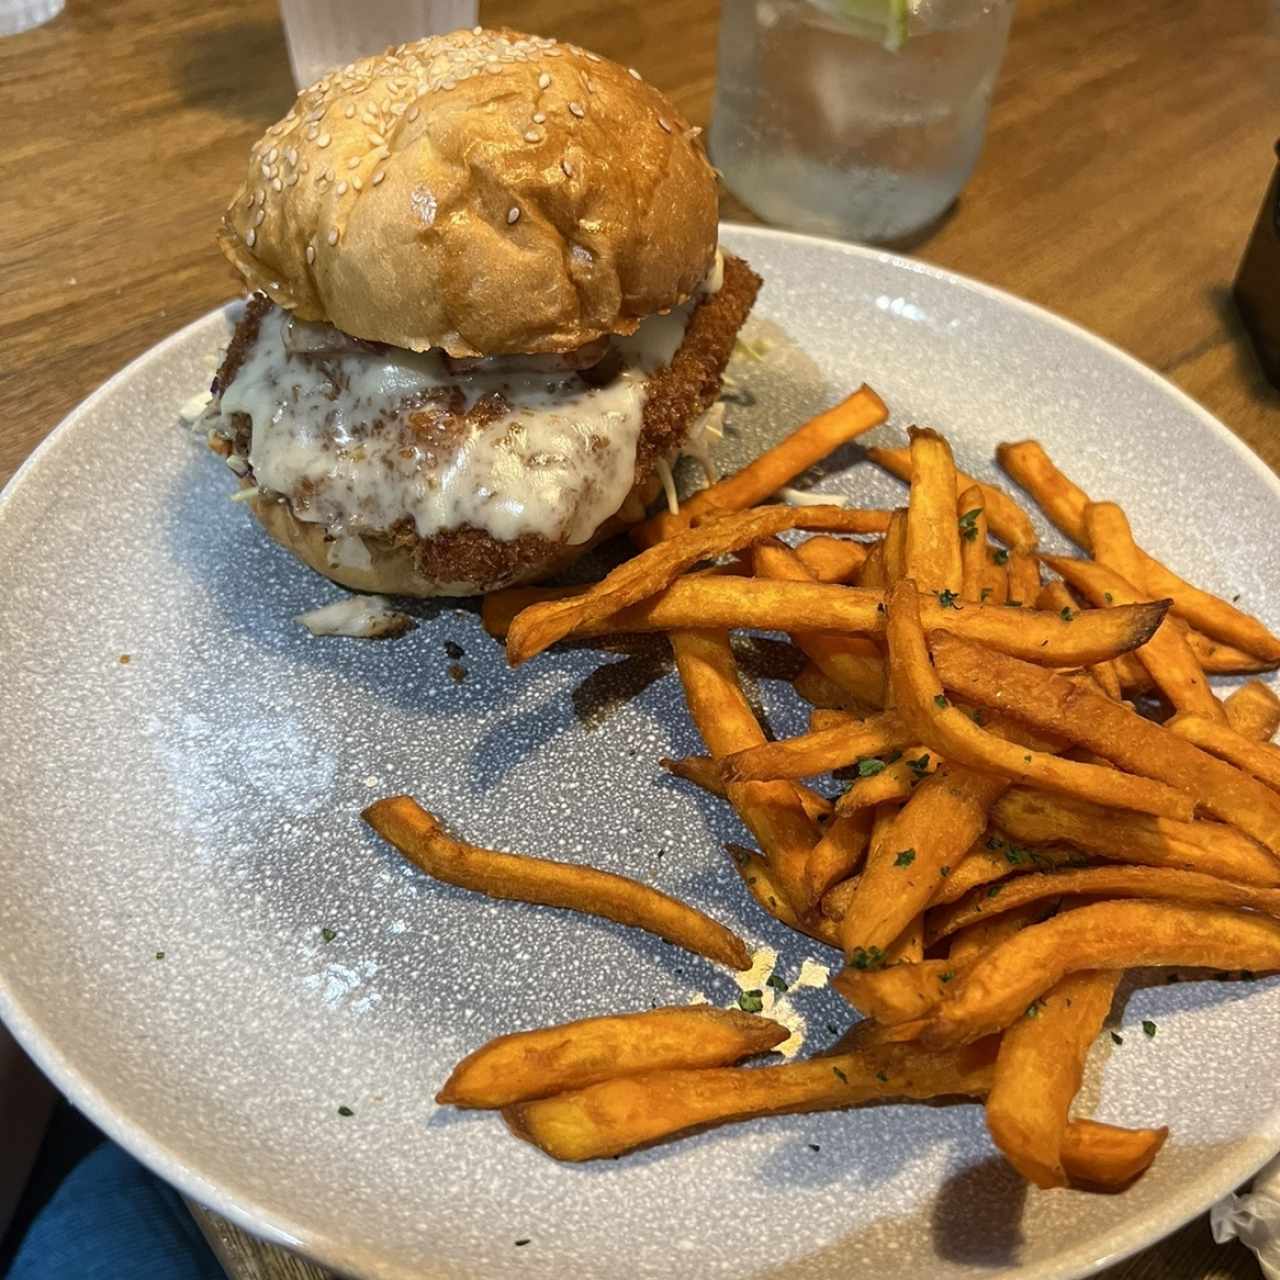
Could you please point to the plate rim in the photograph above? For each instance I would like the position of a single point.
(1073, 1263)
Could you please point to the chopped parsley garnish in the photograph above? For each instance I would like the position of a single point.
(880, 608)
(948, 976)
(345, 1111)
(840, 1075)
(969, 524)
(919, 765)
(978, 716)
(1108, 597)
(947, 599)
(944, 872)
(940, 701)
(982, 596)
(1033, 1009)
(1000, 556)
(777, 983)
(869, 767)
(1015, 856)
(159, 955)
(866, 958)
(1067, 614)
(751, 1001)
(995, 889)
(327, 934)
(1026, 759)
(1148, 1028)
(905, 858)
(880, 1075)
(994, 842)
(1117, 1038)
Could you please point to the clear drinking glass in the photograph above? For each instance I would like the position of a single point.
(822, 124)
(324, 34)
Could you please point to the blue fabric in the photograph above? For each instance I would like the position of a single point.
(110, 1219)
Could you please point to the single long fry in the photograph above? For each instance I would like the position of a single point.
(1050, 703)
(761, 885)
(1104, 1157)
(755, 603)
(821, 718)
(704, 772)
(896, 781)
(1036, 817)
(995, 859)
(1221, 659)
(541, 625)
(1167, 656)
(401, 821)
(933, 537)
(872, 575)
(772, 811)
(984, 581)
(949, 731)
(1161, 883)
(1254, 711)
(929, 835)
(895, 548)
(1260, 759)
(812, 753)
(1064, 503)
(776, 467)
(1038, 1072)
(614, 1116)
(832, 559)
(535, 1064)
(854, 663)
(839, 853)
(1007, 519)
(1001, 986)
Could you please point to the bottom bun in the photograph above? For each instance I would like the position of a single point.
(463, 562)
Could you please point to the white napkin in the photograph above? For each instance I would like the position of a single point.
(1253, 1218)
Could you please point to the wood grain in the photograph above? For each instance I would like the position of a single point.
(1129, 148)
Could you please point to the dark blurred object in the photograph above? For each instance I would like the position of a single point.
(1257, 287)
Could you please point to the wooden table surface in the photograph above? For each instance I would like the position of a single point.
(1129, 148)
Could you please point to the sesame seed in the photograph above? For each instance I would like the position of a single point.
(412, 114)
(350, 110)
(313, 133)
(378, 177)
(552, 53)
(357, 184)
(311, 253)
(493, 68)
(567, 167)
(332, 237)
(539, 118)
(251, 237)
(477, 31)
(292, 179)
(261, 197)
(323, 140)
(292, 155)
(329, 175)
(354, 162)
(531, 135)
(592, 57)
(663, 125)
(273, 154)
(259, 217)
(277, 185)
(513, 215)
(576, 109)
(544, 81)
(341, 188)
(634, 74)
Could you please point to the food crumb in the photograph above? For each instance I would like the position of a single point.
(521, 1243)
(454, 649)
(125, 659)
(159, 955)
(813, 1146)
(457, 672)
(345, 1111)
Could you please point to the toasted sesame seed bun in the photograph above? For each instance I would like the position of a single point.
(485, 192)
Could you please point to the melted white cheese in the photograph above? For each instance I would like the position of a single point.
(354, 438)
(368, 617)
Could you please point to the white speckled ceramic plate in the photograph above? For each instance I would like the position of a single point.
(200, 803)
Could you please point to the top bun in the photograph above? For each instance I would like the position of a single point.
(486, 192)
